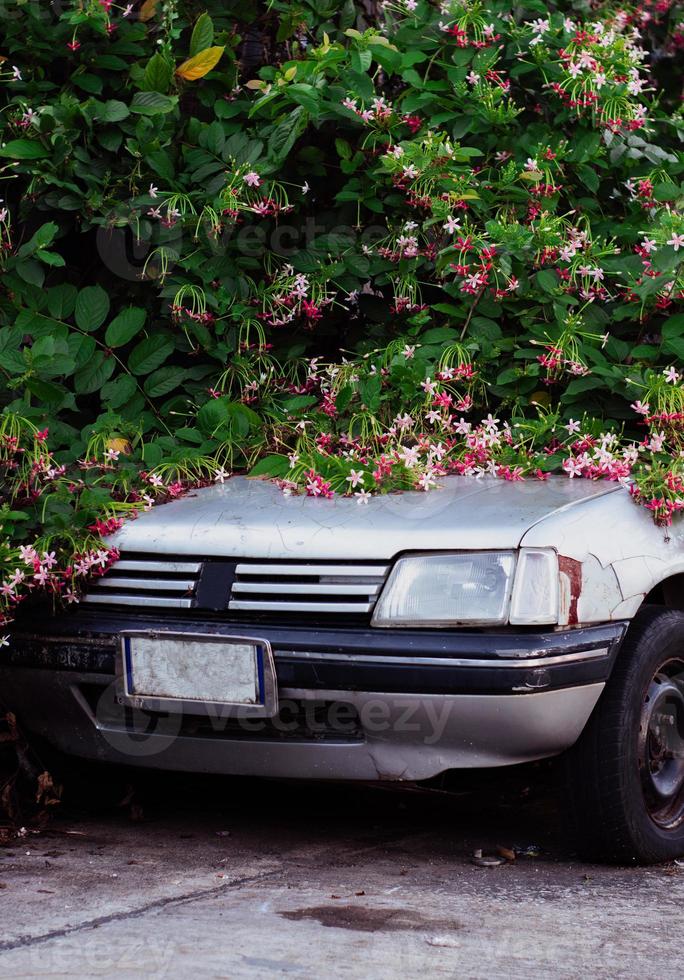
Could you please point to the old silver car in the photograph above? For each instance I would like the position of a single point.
(482, 624)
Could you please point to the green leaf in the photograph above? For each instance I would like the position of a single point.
(158, 74)
(119, 391)
(150, 354)
(344, 150)
(589, 178)
(24, 150)
(152, 103)
(125, 326)
(113, 111)
(307, 96)
(164, 380)
(40, 239)
(92, 307)
(547, 280)
(285, 135)
(89, 83)
(272, 466)
(202, 34)
(370, 389)
(673, 327)
(675, 345)
(93, 376)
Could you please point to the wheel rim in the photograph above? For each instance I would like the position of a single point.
(661, 746)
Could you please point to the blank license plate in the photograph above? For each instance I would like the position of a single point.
(189, 669)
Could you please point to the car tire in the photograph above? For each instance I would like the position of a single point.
(624, 798)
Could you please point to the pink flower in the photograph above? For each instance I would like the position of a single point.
(252, 179)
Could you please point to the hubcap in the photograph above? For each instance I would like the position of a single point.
(661, 746)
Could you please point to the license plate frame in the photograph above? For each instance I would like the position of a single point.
(265, 704)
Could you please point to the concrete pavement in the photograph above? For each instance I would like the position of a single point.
(240, 878)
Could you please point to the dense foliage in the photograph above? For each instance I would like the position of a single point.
(322, 241)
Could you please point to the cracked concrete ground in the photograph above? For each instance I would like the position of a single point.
(241, 878)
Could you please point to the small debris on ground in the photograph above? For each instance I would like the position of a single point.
(486, 860)
(449, 941)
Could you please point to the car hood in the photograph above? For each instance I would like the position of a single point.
(252, 518)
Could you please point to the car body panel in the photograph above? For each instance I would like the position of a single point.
(614, 553)
(249, 518)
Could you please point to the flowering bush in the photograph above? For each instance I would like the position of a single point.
(350, 253)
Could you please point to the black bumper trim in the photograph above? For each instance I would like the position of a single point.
(88, 643)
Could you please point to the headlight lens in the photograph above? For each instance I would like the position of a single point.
(471, 589)
(535, 593)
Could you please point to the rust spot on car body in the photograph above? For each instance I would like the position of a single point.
(572, 570)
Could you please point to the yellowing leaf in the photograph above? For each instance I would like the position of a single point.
(120, 445)
(148, 10)
(200, 65)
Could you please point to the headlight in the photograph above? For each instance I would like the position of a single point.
(535, 593)
(471, 589)
(483, 588)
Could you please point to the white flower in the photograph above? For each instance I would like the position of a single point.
(473, 78)
(409, 351)
(641, 408)
(410, 171)
(16, 74)
(573, 468)
(305, 187)
(153, 191)
(649, 245)
(409, 456)
(573, 426)
(671, 375)
(355, 477)
(362, 496)
(676, 241)
(4, 641)
(426, 481)
(451, 225)
(220, 475)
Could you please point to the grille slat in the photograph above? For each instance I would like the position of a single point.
(114, 599)
(311, 569)
(144, 581)
(307, 587)
(251, 587)
(149, 584)
(290, 606)
(150, 565)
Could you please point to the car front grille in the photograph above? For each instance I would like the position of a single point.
(147, 581)
(306, 587)
(245, 587)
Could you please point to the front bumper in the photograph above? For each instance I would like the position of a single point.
(355, 703)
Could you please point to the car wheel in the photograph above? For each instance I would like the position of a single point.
(625, 775)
